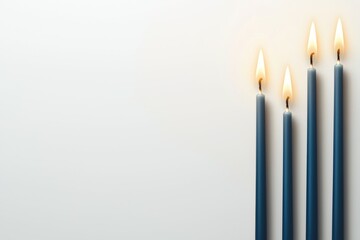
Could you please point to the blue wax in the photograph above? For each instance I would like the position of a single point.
(287, 230)
(260, 211)
(338, 167)
(311, 167)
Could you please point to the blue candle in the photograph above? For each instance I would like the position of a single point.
(287, 230)
(260, 211)
(311, 170)
(338, 166)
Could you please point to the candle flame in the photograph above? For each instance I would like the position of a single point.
(287, 88)
(339, 38)
(312, 45)
(260, 69)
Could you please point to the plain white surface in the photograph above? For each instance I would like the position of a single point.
(135, 119)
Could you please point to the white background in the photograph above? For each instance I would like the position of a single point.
(136, 119)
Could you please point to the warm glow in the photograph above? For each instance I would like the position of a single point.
(287, 88)
(339, 38)
(260, 69)
(312, 46)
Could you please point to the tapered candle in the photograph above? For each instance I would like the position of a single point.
(287, 221)
(311, 165)
(260, 211)
(338, 166)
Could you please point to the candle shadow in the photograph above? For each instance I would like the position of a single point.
(320, 150)
(347, 164)
(269, 188)
(296, 195)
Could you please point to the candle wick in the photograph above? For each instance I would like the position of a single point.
(311, 58)
(338, 55)
(287, 103)
(260, 84)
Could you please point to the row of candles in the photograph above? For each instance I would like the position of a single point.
(311, 178)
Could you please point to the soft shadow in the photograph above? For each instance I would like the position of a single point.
(296, 195)
(269, 152)
(347, 163)
(320, 150)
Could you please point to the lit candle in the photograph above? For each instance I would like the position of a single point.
(287, 230)
(311, 170)
(338, 167)
(260, 211)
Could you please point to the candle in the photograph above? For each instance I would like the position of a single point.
(260, 208)
(338, 167)
(287, 230)
(311, 170)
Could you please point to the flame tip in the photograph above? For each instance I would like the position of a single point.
(260, 69)
(287, 88)
(339, 37)
(312, 44)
